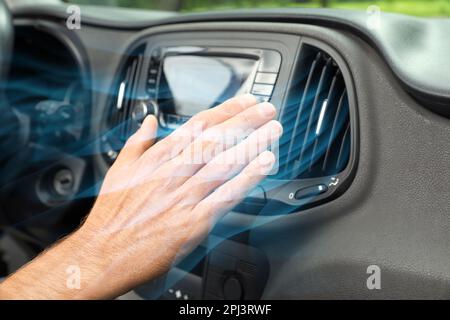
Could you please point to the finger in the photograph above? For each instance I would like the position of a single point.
(230, 132)
(176, 142)
(139, 142)
(224, 111)
(249, 119)
(217, 140)
(231, 162)
(230, 194)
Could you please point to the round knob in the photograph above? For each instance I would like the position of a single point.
(142, 108)
(232, 288)
(140, 111)
(63, 182)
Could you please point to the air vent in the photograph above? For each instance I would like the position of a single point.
(317, 138)
(120, 125)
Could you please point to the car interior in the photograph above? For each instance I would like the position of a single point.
(363, 166)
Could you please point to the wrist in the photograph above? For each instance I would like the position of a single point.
(112, 267)
(92, 256)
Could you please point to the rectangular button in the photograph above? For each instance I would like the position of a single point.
(267, 78)
(262, 89)
(151, 91)
(261, 99)
(271, 61)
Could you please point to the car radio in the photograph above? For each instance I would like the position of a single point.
(182, 81)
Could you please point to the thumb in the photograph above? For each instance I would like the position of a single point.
(140, 142)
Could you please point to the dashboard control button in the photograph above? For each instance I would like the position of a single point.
(262, 89)
(232, 288)
(153, 108)
(140, 111)
(271, 61)
(261, 99)
(267, 78)
(63, 182)
(112, 155)
(156, 54)
(151, 91)
(310, 192)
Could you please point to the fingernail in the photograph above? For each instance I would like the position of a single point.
(266, 159)
(149, 119)
(267, 109)
(277, 128)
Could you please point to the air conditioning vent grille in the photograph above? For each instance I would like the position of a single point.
(316, 142)
(119, 124)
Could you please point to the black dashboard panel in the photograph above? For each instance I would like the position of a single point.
(394, 211)
(313, 234)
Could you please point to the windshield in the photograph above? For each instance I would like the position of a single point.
(434, 8)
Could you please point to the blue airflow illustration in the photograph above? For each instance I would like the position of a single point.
(316, 140)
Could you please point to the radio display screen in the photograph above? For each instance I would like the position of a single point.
(192, 83)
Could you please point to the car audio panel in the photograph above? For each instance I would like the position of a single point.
(182, 81)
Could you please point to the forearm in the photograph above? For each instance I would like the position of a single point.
(71, 269)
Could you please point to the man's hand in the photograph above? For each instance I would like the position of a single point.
(158, 201)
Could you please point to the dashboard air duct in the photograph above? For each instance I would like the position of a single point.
(317, 138)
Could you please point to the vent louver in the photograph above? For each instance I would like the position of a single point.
(316, 140)
(120, 124)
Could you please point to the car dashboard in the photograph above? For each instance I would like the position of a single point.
(363, 163)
